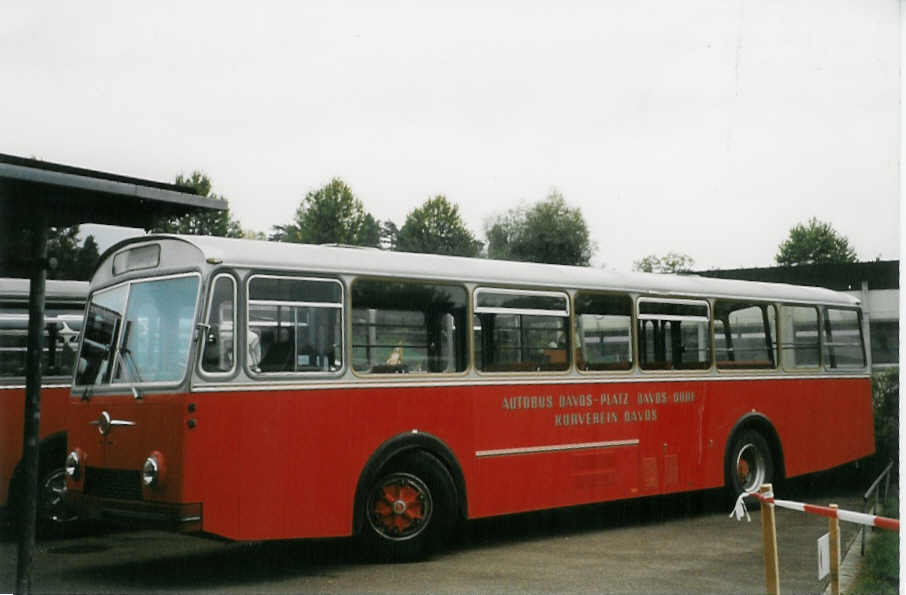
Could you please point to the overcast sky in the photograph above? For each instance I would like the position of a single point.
(708, 127)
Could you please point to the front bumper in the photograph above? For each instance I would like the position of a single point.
(185, 518)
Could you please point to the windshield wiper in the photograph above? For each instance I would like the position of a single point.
(126, 353)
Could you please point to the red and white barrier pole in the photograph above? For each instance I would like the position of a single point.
(859, 518)
(769, 535)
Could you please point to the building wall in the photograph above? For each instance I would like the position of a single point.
(881, 310)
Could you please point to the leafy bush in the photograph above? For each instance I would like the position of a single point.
(880, 568)
(886, 404)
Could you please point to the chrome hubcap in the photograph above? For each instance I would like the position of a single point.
(750, 467)
(400, 507)
(53, 504)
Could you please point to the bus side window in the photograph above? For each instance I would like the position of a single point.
(62, 324)
(521, 330)
(295, 325)
(13, 340)
(745, 335)
(843, 338)
(603, 332)
(799, 332)
(220, 342)
(408, 327)
(673, 334)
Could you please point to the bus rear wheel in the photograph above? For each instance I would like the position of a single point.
(749, 464)
(409, 508)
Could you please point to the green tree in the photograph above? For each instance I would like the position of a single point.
(68, 259)
(436, 228)
(886, 401)
(390, 234)
(211, 223)
(330, 214)
(814, 243)
(548, 231)
(86, 259)
(672, 262)
(251, 234)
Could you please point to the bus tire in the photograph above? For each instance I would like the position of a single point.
(409, 508)
(52, 513)
(749, 463)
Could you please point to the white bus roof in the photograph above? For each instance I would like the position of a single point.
(331, 259)
(16, 288)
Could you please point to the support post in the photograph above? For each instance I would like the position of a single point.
(834, 530)
(34, 353)
(769, 533)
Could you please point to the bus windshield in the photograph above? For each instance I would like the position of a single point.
(138, 332)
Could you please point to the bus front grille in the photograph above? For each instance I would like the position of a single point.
(122, 484)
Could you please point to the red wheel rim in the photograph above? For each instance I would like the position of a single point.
(400, 506)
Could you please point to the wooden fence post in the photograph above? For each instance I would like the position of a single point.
(769, 533)
(834, 530)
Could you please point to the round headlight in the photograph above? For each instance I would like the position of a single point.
(150, 471)
(72, 465)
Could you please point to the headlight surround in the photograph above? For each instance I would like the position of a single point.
(153, 470)
(73, 465)
(150, 471)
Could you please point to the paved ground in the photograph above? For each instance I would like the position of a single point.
(679, 544)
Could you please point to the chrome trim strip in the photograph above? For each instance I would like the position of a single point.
(677, 301)
(497, 381)
(295, 303)
(675, 317)
(564, 312)
(529, 450)
(43, 386)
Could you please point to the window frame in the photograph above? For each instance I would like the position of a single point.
(111, 387)
(825, 351)
(566, 313)
(415, 376)
(818, 367)
(633, 341)
(778, 364)
(17, 311)
(708, 318)
(248, 302)
(207, 321)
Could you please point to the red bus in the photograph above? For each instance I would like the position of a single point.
(262, 390)
(64, 310)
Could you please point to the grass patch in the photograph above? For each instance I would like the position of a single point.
(880, 571)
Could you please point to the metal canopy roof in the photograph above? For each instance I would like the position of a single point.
(72, 195)
(35, 195)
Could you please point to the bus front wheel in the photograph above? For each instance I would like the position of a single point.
(409, 508)
(749, 464)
